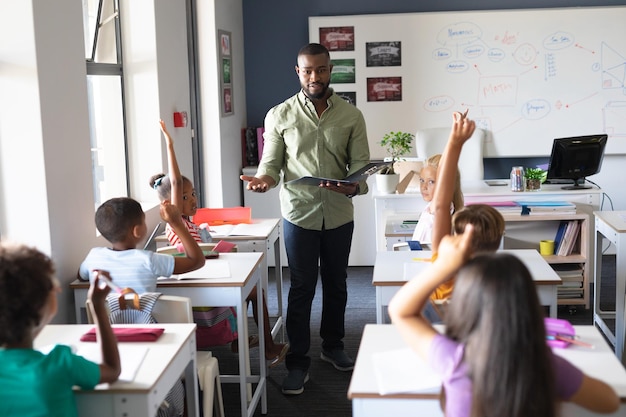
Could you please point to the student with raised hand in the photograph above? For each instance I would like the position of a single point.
(33, 383)
(493, 356)
(448, 177)
(488, 223)
(123, 223)
(428, 182)
(181, 192)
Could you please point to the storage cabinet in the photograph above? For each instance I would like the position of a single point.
(525, 232)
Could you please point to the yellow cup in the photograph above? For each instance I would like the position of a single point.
(546, 247)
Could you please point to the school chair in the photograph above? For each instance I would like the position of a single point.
(429, 142)
(175, 309)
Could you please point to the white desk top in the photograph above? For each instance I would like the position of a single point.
(242, 266)
(615, 219)
(389, 266)
(256, 229)
(477, 188)
(599, 362)
(159, 356)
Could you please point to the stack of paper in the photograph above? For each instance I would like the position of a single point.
(572, 277)
(241, 229)
(504, 207)
(546, 207)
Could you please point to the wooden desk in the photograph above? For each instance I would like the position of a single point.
(612, 226)
(599, 362)
(266, 237)
(388, 276)
(166, 360)
(245, 274)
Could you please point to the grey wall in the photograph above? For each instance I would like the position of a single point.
(274, 30)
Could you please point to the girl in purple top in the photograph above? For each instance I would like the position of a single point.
(493, 358)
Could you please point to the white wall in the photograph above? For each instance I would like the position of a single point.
(221, 135)
(45, 161)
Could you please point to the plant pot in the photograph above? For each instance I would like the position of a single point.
(387, 183)
(533, 184)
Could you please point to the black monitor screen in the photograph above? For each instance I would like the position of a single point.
(576, 158)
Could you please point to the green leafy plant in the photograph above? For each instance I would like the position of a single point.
(535, 174)
(397, 144)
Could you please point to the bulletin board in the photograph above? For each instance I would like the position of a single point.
(526, 76)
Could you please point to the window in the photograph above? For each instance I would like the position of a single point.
(105, 83)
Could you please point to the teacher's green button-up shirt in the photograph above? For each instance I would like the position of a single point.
(298, 143)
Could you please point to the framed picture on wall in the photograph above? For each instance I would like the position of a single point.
(226, 77)
(226, 70)
(343, 71)
(383, 54)
(338, 38)
(384, 89)
(349, 96)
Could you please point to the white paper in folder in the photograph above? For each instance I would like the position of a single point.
(403, 371)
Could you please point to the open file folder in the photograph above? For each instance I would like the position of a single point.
(360, 175)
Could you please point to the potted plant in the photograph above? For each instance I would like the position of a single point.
(396, 144)
(533, 177)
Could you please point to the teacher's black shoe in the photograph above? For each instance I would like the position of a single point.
(293, 384)
(338, 359)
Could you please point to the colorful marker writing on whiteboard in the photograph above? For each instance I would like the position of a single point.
(108, 282)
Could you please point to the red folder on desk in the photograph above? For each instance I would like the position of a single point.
(128, 334)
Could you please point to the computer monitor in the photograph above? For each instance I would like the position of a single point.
(576, 158)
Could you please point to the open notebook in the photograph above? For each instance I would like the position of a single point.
(131, 356)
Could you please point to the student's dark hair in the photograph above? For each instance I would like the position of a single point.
(495, 313)
(117, 216)
(25, 283)
(488, 226)
(314, 49)
(163, 186)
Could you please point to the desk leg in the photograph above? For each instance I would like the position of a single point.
(80, 298)
(278, 277)
(244, 355)
(380, 313)
(620, 291)
(599, 316)
(262, 363)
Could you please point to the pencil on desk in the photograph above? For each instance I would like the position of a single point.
(571, 340)
(574, 341)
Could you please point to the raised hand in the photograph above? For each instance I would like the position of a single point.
(462, 127)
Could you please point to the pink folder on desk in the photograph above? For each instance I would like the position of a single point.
(128, 334)
(224, 246)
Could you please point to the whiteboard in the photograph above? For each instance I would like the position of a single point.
(526, 76)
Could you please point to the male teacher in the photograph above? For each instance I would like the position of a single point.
(314, 133)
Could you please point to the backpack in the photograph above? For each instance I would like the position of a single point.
(140, 312)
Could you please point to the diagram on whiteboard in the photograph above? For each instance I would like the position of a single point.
(516, 82)
(527, 76)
